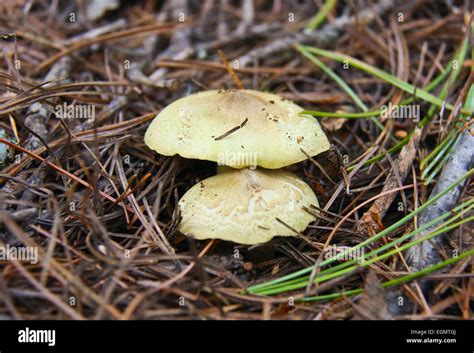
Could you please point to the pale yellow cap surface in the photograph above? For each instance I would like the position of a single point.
(241, 205)
(272, 133)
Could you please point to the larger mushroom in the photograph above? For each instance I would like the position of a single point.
(237, 128)
(241, 129)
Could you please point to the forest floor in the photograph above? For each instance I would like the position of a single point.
(390, 83)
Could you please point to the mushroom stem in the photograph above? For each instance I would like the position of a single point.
(223, 169)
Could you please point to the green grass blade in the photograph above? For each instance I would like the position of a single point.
(339, 81)
(334, 76)
(393, 282)
(464, 208)
(322, 278)
(321, 15)
(379, 235)
(395, 81)
(342, 115)
(444, 155)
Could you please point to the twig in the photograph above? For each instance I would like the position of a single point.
(321, 37)
(231, 131)
(398, 174)
(426, 253)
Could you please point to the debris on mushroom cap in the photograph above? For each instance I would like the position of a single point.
(243, 205)
(238, 128)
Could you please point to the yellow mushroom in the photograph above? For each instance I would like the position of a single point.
(247, 206)
(237, 128)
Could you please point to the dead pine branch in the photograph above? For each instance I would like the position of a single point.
(427, 253)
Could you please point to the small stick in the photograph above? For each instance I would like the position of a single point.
(318, 165)
(427, 253)
(396, 176)
(64, 172)
(234, 129)
(130, 190)
(231, 70)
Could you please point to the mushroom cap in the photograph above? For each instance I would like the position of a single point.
(271, 134)
(242, 206)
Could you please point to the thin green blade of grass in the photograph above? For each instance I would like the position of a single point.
(441, 155)
(436, 150)
(303, 282)
(379, 235)
(327, 70)
(446, 145)
(469, 104)
(398, 146)
(334, 76)
(465, 207)
(429, 87)
(428, 270)
(319, 18)
(351, 269)
(454, 70)
(366, 262)
(459, 57)
(395, 81)
(393, 282)
(320, 114)
(440, 152)
(448, 70)
(443, 158)
(325, 297)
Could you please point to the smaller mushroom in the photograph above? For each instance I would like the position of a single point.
(247, 206)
